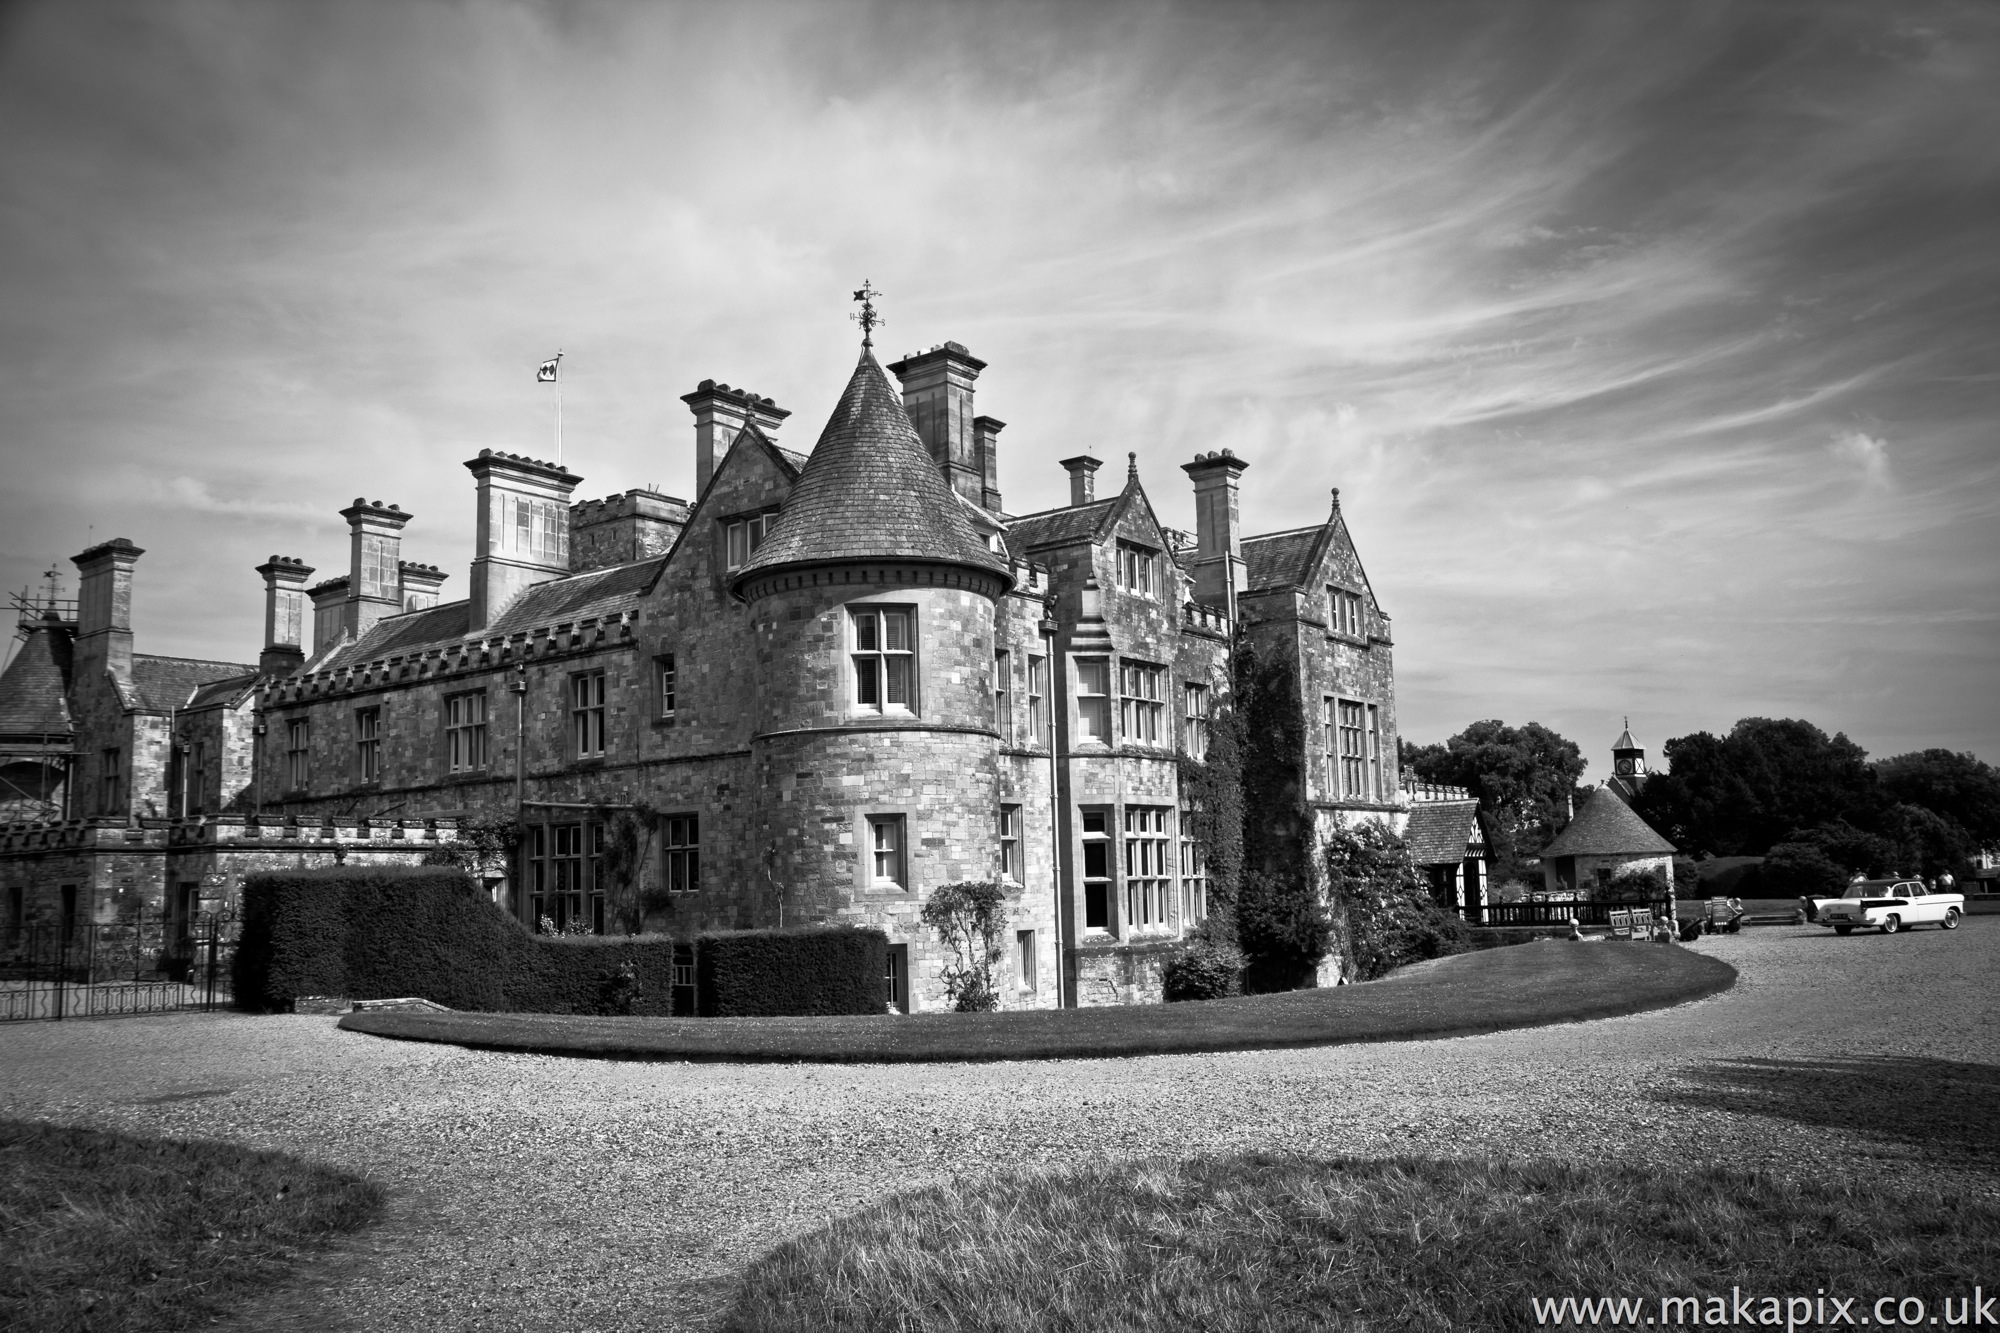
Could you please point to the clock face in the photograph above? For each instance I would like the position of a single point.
(1626, 766)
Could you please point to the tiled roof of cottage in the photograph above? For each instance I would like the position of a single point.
(870, 491)
(168, 682)
(1279, 559)
(1439, 831)
(1606, 826)
(33, 686)
(1059, 527)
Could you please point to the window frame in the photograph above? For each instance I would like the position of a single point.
(666, 687)
(1193, 865)
(1038, 699)
(1029, 976)
(1003, 695)
(1100, 890)
(1351, 724)
(588, 716)
(368, 745)
(1142, 716)
(680, 853)
(111, 777)
(870, 667)
(1138, 570)
(1095, 704)
(465, 737)
(1194, 720)
(1145, 844)
(897, 825)
(754, 529)
(1344, 611)
(1010, 842)
(298, 753)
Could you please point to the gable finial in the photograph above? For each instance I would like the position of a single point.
(1336, 499)
(1132, 465)
(866, 316)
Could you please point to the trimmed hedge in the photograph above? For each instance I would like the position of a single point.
(374, 932)
(791, 972)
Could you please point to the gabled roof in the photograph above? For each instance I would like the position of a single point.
(1280, 559)
(34, 686)
(870, 490)
(161, 683)
(1440, 831)
(228, 690)
(1606, 826)
(1060, 527)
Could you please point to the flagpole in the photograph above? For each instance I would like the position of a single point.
(559, 423)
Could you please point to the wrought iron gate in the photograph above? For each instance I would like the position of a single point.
(147, 965)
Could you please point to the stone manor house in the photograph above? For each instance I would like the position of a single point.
(829, 684)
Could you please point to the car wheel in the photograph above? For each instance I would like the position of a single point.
(1891, 924)
(1843, 930)
(1950, 918)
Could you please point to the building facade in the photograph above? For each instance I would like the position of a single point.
(829, 684)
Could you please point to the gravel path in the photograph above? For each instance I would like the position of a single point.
(535, 1192)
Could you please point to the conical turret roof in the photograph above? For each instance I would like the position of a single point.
(870, 491)
(33, 689)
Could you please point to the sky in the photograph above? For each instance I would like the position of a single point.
(1655, 349)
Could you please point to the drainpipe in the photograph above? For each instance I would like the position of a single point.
(1048, 629)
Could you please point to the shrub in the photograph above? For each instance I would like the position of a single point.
(1392, 919)
(1203, 970)
(1648, 885)
(969, 916)
(373, 932)
(795, 971)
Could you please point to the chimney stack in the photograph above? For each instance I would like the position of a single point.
(104, 610)
(522, 529)
(329, 603)
(986, 437)
(720, 414)
(937, 393)
(1218, 560)
(284, 614)
(1082, 485)
(420, 585)
(374, 563)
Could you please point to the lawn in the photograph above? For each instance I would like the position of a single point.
(106, 1232)
(1288, 1244)
(1527, 986)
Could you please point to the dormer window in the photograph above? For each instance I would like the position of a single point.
(742, 537)
(1136, 569)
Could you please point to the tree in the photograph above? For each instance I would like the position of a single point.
(970, 916)
(1740, 794)
(1956, 786)
(1282, 922)
(1525, 779)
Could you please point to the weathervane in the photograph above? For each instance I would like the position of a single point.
(866, 317)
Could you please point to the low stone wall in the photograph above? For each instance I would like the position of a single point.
(1120, 974)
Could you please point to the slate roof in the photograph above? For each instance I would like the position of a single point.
(1059, 527)
(161, 683)
(1439, 831)
(32, 689)
(1606, 826)
(1279, 559)
(586, 596)
(221, 691)
(869, 490)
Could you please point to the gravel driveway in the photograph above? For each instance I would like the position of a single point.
(535, 1192)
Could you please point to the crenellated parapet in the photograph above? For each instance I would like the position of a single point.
(247, 832)
(1198, 618)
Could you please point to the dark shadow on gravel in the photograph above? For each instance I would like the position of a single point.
(1942, 1107)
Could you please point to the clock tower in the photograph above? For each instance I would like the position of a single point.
(1628, 764)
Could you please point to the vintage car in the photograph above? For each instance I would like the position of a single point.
(1889, 905)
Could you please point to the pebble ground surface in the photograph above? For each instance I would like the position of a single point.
(548, 1193)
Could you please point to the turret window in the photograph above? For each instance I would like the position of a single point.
(885, 663)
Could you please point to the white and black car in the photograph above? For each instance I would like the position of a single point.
(1889, 905)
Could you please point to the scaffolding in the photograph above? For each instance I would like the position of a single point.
(46, 794)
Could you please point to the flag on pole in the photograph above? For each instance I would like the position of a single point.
(547, 373)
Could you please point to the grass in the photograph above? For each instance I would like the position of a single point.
(1553, 982)
(107, 1232)
(1286, 1244)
